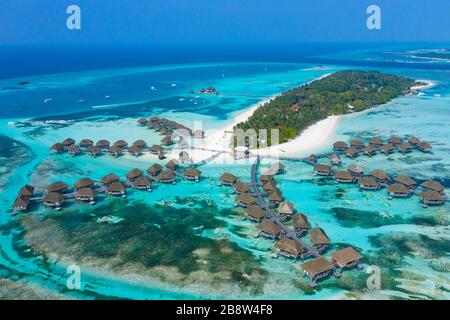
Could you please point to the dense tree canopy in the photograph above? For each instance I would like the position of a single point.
(339, 93)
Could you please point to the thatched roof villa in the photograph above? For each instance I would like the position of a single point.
(398, 190)
(134, 174)
(241, 187)
(135, 151)
(300, 223)
(85, 143)
(355, 170)
(172, 165)
(275, 197)
(359, 144)
(86, 195)
(376, 143)
(115, 151)
(431, 197)
(154, 170)
(395, 141)
(290, 248)
(109, 178)
(57, 186)
(424, 146)
(142, 183)
(387, 148)
(317, 269)
(228, 179)
(74, 150)
(121, 144)
(433, 185)
(270, 230)
(166, 177)
(255, 213)
(54, 200)
(140, 143)
(370, 150)
(380, 176)
(142, 121)
(68, 142)
(340, 146)
(323, 170)
(116, 189)
(406, 181)
(84, 183)
(94, 151)
(286, 209)
(405, 147)
(335, 160)
(352, 152)
(156, 149)
(245, 200)
(344, 176)
(368, 183)
(57, 148)
(192, 174)
(346, 258)
(103, 144)
(319, 238)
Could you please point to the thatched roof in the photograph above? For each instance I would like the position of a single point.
(369, 149)
(94, 149)
(84, 183)
(116, 186)
(21, 202)
(265, 178)
(140, 143)
(270, 228)
(395, 140)
(357, 143)
(135, 149)
(86, 192)
(345, 256)
(270, 186)
(241, 187)
(155, 168)
(323, 168)
(368, 181)
(166, 175)
(355, 169)
(109, 178)
(115, 149)
(68, 142)
(255, 212)
(246, 199)
(73, 148)
(26, 190)
(387, 147)
(343, 175)
(228, 178)
(286, 208)
(192, 172)
(431, 195)
(157, 148)
(135, 173)
(121, 144)
(316, 266)
(405, 180)
(405, 146)
(54, 197)
(276, 196)
(86, 143)
(352, 151)
(413, 140)
(397, 188)
(300, 221)
(291, 246)
(433, 185)
(340, 145)
(57, 186)
(142, 181)
(166, 140)
(142, 121)
(57, 147)
(318, 236)
(172, 164)
(379, 174)
(102, 143)
(424, 146)
(376, 141)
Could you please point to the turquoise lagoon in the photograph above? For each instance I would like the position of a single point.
(187, 241)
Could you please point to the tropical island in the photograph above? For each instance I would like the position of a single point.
(339, 93)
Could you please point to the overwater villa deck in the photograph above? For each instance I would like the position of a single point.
(289, 248)
(255, 213)
(269, 230)
(344, 176)
(227, 179)
(317, 269)
(346, 258)
(241, 188)
(432, 198)
(368, 183)
(323, 170)
(319, 239)
(300, 223)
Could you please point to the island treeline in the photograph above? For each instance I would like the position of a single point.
(339, 93)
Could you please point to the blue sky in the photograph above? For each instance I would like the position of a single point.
(221, 21)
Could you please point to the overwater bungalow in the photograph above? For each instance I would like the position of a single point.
(94, 151)
(135, 151)
(150, 125)
(241, 187)
(312, 159)
(277, 168)
(245, 200)
(344, 177)
(122, 144)
(270, 186)
(368, 183)
(398, 190)
(405, 147)
(26, 190)
(184, 157)
(85, 143)
(167, 140)
(255, 213)
(142, 121)
(290, 248)
(355, 170)
(319, 239)
(387, 148)
(413, 140)
(300, 223)
(433, 185)
(103, 144)
(73, 150)
(57, 148)
(68, 142)
(115, 151)
(286, 209)
(163, 121)
(156, 149)
(346, 258)
(154, 170)
(199, 134)
(335, 160)
(21, 203)
(54, 200)
(140, 143)
(270, 230)
(109, 178)
(380, 176)
(134, 174)
(406, 181)
(340, 146)
(166, 177)
(369, 150)
(57, 186)
(142, 183)
(424, 146)
(323, 170)
(275, 197)
(359, 144)
(192, 174)
(265, 178)
(86, 195)
(154, 119)
(116, 189)
(172, 165)
(317, 269)
(227, 179)
(376, 143)
(84, 183)
(352, 152)
(395, 141)
(431, 197)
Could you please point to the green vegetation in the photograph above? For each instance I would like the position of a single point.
(340, 93)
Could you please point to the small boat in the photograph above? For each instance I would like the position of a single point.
(48, 100)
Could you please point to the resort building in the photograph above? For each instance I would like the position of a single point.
(266, 178)
(369, 150)
(23, 199)
(227, 179)
(312, 159)
(154, 119)
(398, 190)
(84, 183)
(184, 157)
(335, 160)
(192, 174)
(255, 214)
(431, 197)
(270, 230)
(57, 186)
(73, 150)
(340, 146)
(319, 239)
(86, 195)
(290, 248)
(154, 170)
(424, 146)
(355, 170)
(142, 183)
(380, 176)
(317, 269)
(323, 170)
(245, 200)
(270, 186)
(359, 144)
(115, 151)
(122, 144)
(135, 151)
(241, 187)
(346, 258)
(433, 185)
(286, 209)
(109, 178)
(405, 147)
(167, 140)
(116, 189)
(142, 121)
(300, 223)
(57, 148)
(368, 183)
(86, 143)
(140, 143)
(134, 174)
(94, 151)
(26, 190)
(166, 177)
(68, 142)
(406, 181)
(377, 143)
(343, 177)
(103, 144)
(413, 140)
(352, 152)
(54, 200)
(172, 165)
(275, 197)
(387, 148)
(395, 141)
